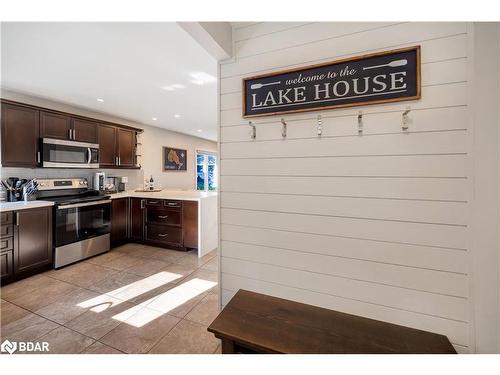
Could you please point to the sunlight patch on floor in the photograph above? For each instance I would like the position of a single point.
(129, 291)
(165, 302)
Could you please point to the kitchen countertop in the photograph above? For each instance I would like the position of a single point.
(186, 195)
(17, 206)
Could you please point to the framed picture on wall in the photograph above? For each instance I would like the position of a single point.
(174, 159)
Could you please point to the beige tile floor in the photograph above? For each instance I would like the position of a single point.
(133, 299)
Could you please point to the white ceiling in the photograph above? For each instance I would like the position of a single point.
(125, 64)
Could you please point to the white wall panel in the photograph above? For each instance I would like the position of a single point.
(440, 189)
(425, 257)
(434, 50)
(375, 225)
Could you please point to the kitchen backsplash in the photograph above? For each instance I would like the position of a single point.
(135, 177)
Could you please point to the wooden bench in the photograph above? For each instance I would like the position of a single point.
(257, 323)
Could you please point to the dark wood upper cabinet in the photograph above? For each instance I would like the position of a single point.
(126, 148)
(107, 146)
(24, 125)
(33, 239)
(20, 136)
(119, 221)
(55, 125)
(84, 131)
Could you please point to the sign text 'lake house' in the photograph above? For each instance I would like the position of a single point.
(369, 79)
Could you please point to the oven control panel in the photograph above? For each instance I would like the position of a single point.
(61, 183)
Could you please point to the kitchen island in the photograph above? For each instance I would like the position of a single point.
(206, 237)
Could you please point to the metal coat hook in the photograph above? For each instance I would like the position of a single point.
(320, 129)
(406, 120)
(360, 122)
(253, 135)
(283, 128)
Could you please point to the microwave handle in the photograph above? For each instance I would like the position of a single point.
(89, 155)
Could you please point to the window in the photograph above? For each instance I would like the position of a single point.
(206, 171)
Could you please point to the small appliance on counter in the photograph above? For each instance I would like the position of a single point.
(99, 181)
(114, 184)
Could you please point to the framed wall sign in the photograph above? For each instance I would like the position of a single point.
(376, 78)
(174, 159)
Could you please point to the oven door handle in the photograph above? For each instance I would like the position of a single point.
(76, 205)
(89, 155)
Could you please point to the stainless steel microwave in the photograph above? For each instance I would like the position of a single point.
(58, 153)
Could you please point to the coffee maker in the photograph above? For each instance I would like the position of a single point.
(99, 181)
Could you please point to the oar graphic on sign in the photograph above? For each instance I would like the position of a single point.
(259, 85)
(392, 64)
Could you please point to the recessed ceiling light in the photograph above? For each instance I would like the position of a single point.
(154, 118)
(200, 78)
(100, 100)
(177, 116)
(199, 130)
(173, 87)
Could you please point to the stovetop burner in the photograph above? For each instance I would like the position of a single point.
(90, 196)
(68, 191)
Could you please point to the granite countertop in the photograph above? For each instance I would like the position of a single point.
(187, 195)
(17, 206)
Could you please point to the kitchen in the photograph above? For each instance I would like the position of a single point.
(103, 205)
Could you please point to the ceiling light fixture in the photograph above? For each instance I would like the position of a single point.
(173, 87)
(199, 130)
(200, 78)
(177, 116)
(154, 118)
(100, 100)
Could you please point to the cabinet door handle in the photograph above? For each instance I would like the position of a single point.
(74, 132)
(69, 133)
(142, 203)
(38, 157)
(18, 219)
(162, 216)
(162, 235)
(119, 160)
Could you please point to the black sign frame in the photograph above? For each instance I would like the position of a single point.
(248, 81)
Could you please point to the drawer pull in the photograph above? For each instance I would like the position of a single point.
(162, 235)
(162, 216)
(153, 202)
(172, 204)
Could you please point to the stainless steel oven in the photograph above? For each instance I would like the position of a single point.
(82, 219)
(58, 153)
(81, 230)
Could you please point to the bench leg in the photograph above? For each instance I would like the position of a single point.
(227, 346)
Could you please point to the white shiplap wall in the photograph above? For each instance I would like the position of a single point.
(375, 225)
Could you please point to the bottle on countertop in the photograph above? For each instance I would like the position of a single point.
(151, 183)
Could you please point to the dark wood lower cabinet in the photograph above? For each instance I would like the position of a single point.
(119, 221)
(25, 243)
(158, 222)
(137, 211)
(190, 223)
(33, 239)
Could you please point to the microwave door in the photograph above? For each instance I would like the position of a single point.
(68, 154)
